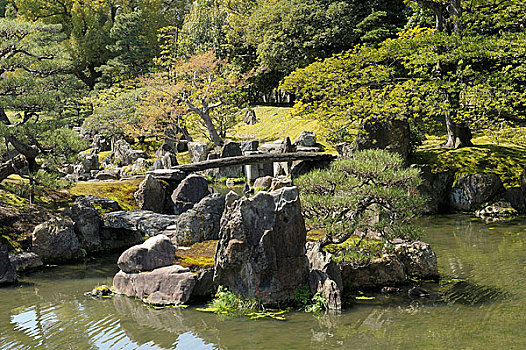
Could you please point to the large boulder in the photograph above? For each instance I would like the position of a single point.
(151, 195)
(141, 165)
(230, 149)
(7, 270)
(471, 191)
(198, 151)
(261, 248)
(169, 160)
(393, 135)
(250, 117)
(143, 222)
(515, 196)
(108, 175)
(189, 192)
(435, 187)
(201, 223)
(306, 139)
(102, 204)
(251, 145)
(100, 144)
(168, 146)
(55, 240)
(385, 271)
(124, 154)
(497, 211)
(87, 223)
(418, 258)
(155, 252)
(263, 183)
(170, 285)
(324, 276)
(25, 261)
(90, 162)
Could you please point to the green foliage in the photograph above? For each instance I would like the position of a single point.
(370, 192)
(309, 303)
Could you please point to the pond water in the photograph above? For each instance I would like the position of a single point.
(487, 311)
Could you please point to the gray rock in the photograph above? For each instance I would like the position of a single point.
(306, 139)
(140, 166)
(393, 135)
(155, 252)
(108, 175)
(100, 144)
(168, 146)
(418, 258)
(55, 240)
(103, 204)
(7, 270)
(250, 117)
(280, 182)
(471, 191)
(87, 223)
(324, 276)
(25, 261)
(498, 210)
(230, 149)
(90, 162)
(247, 146)
(515, 197)
(264, 182)
(157, 164)
(170, 285)
(146, 223)
(124, 154)
(189, 192)
(151, 195)
(287, 146)
(169, 160)
(198, 151)
(204, 287)
(435, 187)
(261, 248)
(201, 223)
(385, 271)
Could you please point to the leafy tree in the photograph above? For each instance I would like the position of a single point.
(370, 191)
(196, 87)
(470, 80)
(34, 80)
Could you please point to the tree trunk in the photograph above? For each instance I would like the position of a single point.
(9, 167)
(458, 135)
(216, 139)
(3, 117)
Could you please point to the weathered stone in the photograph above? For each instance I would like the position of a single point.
(150, 195)
(230, 149)
(189, 192)
(418, 258)
(103, 204)
(25, 261)
(170, 175)
(157, 164)
(287, 146)
(124, 154)
(168, 146)
(204, 287)
(261, 248)
(90, 162)
(393, 135)
(384, 271)
(169, 160)
(200, 223)
(198, 151)
(435, 187)
(471, 191)
(55, 240)
(495, 211)
(7, 270)
(170, 285)
(263, 182)
(182, 146)
(87, 223)
(306, 138)
(108, 175)
(100, 144)
(145, 222)
(515, 197)
(324, 276)
(155, 252)
(250, 117)
(280, 182)
(251, 145)
(140, 166)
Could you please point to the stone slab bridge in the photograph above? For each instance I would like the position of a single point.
(255, 165)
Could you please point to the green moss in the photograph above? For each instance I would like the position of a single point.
(348, 252)
(200, 255)
(504, 160)
(120, 191)
(103, 155)
(275, 123)
(11, 200)
(183, 158)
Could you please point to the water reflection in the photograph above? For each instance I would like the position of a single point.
(487, 310)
